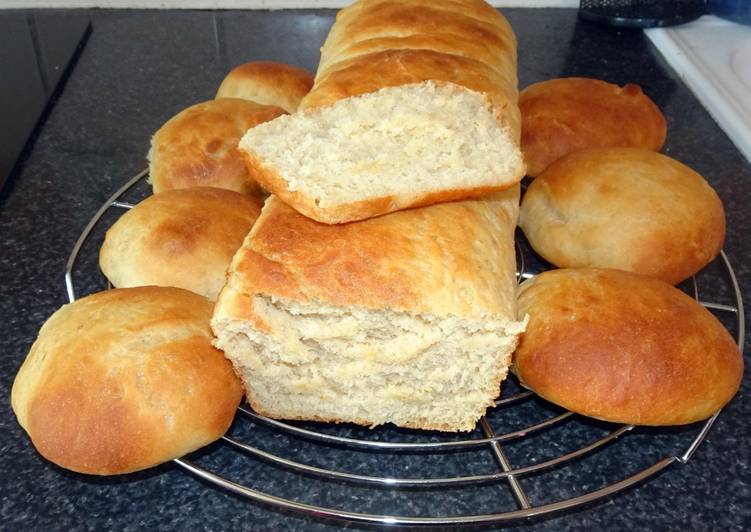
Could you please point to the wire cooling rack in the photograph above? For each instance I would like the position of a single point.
(526, 458)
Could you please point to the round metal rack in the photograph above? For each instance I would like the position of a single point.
(527, 457)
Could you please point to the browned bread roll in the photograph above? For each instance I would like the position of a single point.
(623, 347)
(624, 208)
(415, 102)
(196, 147)
(184, 238)
(124, 380)
(267, 83)
(560, 116)
(408, 318)
(459, 28)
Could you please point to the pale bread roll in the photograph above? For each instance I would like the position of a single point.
(267, 83)
(124, 380)
(624, 208)
(624, 347)
(197, 147)
(560, 116)
(408, 318)
(184, 238)
(414, 103)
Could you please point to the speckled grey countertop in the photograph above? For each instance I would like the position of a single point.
(138, 69)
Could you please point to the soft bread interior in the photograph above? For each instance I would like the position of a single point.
(424, 137)
(369, 366)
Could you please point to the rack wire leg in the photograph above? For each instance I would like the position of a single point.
(500, 455)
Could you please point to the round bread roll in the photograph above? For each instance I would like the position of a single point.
(183, 238)
(560, 116)
(624, 347)
(267, 83)
(124, 380)
(197, 147)
(627, 209)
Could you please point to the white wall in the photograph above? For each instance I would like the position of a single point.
(239, 4)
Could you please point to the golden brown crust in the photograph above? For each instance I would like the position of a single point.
(387, 43)
(197, 147)
(399, 261)
(625, 348)
(560, 116)
(267, 83)
(124, 380)
(469, 28)
(392, 68)
(624, 208)
(184, 238)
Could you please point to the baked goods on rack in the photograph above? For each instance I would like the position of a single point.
(624, 208)
(563, 115)
(125, 379)
(184, 238)
(196, 147)
(624, 347)
(267, 83)
(408, 318)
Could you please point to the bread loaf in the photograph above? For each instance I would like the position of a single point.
(196, 147)
(267, 83)
(561, 116)
(415, 102)
(624, 208)
(624, 347)
(184, 238)
(408, 318)
(124, 380)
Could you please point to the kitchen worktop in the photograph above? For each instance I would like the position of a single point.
(141, 67)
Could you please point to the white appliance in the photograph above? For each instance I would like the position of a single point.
(713, 57)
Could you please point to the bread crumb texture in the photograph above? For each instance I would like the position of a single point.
(404, 143)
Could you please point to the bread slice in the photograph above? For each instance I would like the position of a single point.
(408, 318)
(384, 151)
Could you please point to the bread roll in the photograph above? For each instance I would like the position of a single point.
(560, 116)
(124, 380)
(624, 208)
(624, 347)
(408, 318)
(415, 102)
(267, 83)
(184, 238)
(197, 147)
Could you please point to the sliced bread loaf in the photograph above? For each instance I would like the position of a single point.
(408, 318)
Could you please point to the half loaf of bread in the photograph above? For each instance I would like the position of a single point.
(407, 318)
(414, 103)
